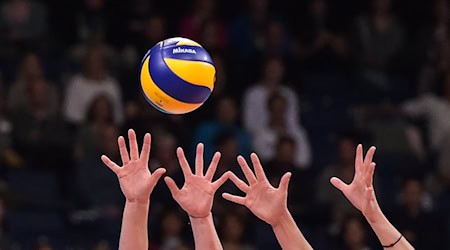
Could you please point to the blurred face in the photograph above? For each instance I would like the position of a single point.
(274, 35)
(94, 4)
(274, 72)
(354, 234)
(226, 111)
(412, 193)
(381, 5)
(346, 150)
(172, 224)
(38, 93)
(155, 29)
(286, 152)
(102, 109)
(233, 228)
(31, 66)
(318, 8)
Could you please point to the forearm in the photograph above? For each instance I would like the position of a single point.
(205, 235)
(134, 235)
(289, 235)
(387, 234)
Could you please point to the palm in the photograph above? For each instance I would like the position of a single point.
(197, 194)
(265, 201)
(360, 192)
(135, 178)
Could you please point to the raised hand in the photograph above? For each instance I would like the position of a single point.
(197, 194)
(134, 176)
(360, 191)
(265, 201)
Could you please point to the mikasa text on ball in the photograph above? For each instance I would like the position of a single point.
(177, 75)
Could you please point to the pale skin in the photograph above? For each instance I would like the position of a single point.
(137, 184)
(196, 197)
(268, 203)
(361, 194)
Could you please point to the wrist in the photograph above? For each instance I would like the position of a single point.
(197, 217)
(283, 219)
(138, 201)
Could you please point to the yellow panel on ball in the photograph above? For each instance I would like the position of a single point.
(160, 99)
(194, 72)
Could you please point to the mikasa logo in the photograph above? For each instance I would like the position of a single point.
(180, 50)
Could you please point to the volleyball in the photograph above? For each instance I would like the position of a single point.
(177, 75)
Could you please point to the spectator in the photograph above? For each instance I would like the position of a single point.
(84, 87)
(255, 112)
(92, 21)
(30, 70)
(414, 216)
(23, 22)
(277, 41)
(99, 117)
(226, 121)
(204, 18)
(153, 31)
(172, 231)
(232, 233)
(40, 136)
(97, 185)
(435, 109)
(379, 39)
(266, 137)
(327, 196)
(320, 43)
(353, 235)
(8, 157)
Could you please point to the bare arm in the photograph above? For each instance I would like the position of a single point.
(362, 195)
(137, 184)
(268, 203)
(196, 197)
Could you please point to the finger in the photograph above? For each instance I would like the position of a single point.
(247, 171)
(234, 198)
(172, 186)
(238, 182)
(156, 175)
(199, 159)
(369, 156)
(145, 153)
(183, 163)
(123, 150)
(258, 167)
(358, 159)
(369, 175)
(284, 183)
(111, 165)
(133, 145)
(212, 166)
(338, 183)
(219, 182)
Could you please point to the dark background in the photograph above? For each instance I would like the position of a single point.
(299, 82)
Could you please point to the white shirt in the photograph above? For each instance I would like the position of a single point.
(256, 114)
(437, 112)
(82, 91)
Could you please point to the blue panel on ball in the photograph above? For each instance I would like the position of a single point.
(156, 48)
(187, 52)
(173, 85)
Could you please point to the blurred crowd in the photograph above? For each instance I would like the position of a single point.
(301, 83)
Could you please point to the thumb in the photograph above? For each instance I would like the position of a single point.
(284, 182)
(338, 183)
(172, 186)
(155, 176)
